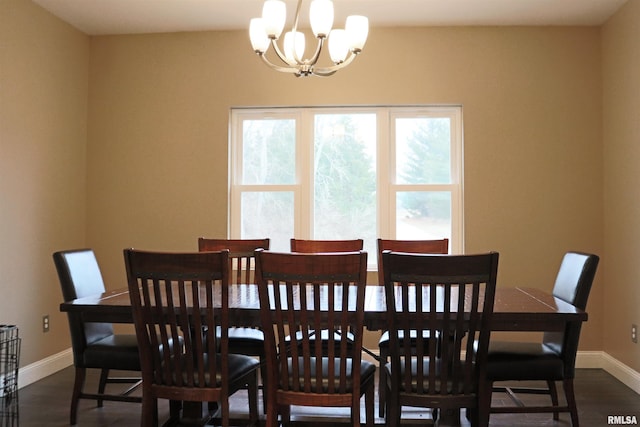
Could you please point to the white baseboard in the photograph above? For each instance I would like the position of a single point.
(45, 367)
(585, 359)
(622, 372)
(589, 359)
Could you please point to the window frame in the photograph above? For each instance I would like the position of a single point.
(386, 187)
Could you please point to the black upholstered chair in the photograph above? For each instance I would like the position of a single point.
(95, 346)
(552, 359)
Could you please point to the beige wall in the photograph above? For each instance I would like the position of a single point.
(531, 97)
(43, 132)
(152, 113)
(621, 71)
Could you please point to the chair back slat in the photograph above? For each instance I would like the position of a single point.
(450, 296)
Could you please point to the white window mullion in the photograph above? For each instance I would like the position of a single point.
(235, 173)
(457, 172)
(304, 171)
(386, 170)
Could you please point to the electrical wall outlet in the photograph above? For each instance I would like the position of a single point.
(45, 323)
(634, 333)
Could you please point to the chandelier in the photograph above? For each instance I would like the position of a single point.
(343, 44)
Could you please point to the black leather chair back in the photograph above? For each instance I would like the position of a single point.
(574, 280)
(80, 276)
(573, 285)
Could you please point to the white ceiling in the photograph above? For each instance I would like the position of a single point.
(100, 17)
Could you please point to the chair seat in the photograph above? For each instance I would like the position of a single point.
(384, 338)
(523, 361)
(246, 341)
(250, 335)
(249, 341)
(367, 369)
(119, 351)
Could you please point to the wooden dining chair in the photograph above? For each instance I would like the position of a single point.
(438, 294)
(327, 246)
(436, 246)
(300, 293)
(95, 345)
(242, 340)
(552, 359)
(185, 297)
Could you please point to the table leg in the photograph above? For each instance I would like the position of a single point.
(449, 418)
(196, 413)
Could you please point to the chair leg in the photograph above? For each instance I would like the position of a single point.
(224, 412)
(553, 391)
(285, 414)
(175, 406)
(102, 385)
(382, 382)
(569, 393)
(263, 377)
(252, 390)
(369, 405)
(355, 411)
(78, 385)
(155, 412)
(271, 418)
(393, 410)
(149, 411)
(483, 412)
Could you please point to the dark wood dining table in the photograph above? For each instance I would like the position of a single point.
(515, 309)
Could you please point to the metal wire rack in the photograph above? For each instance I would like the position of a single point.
(9, 360)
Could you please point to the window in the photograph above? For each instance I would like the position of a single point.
(341, 173)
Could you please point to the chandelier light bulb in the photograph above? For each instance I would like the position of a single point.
(258, 36)
(357, 28)
(274, 15)
(294, 46)
(321, 17)
(338, 46)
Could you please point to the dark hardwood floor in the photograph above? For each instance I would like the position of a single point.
(46, 402)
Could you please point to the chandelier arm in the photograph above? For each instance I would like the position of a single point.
(290, 70)
(279, 53)
(312, 61)
(324, 72)
(328, 71)
(294, 30)
(297, 16)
